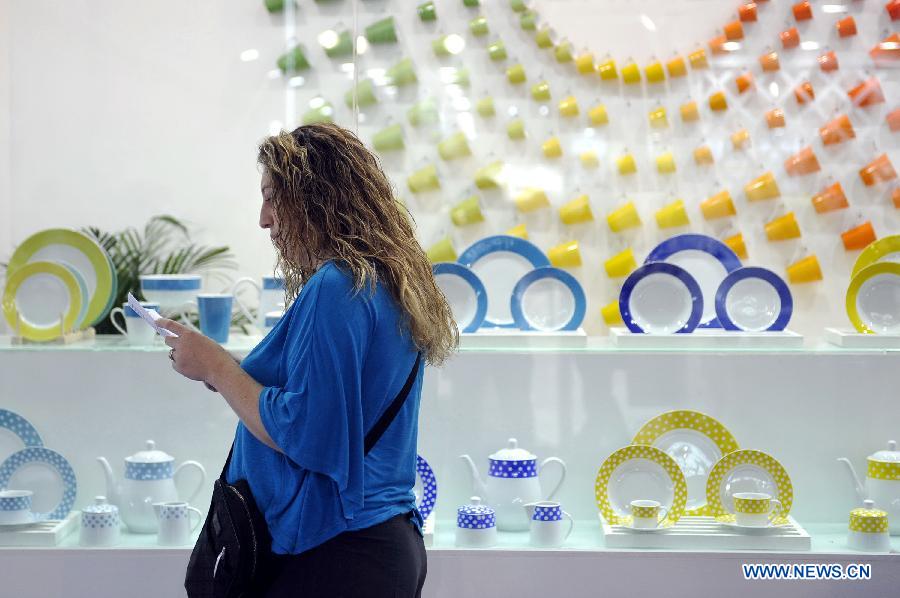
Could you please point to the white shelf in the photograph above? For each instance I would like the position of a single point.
(851, 339)
(707, 338)
(519, 339)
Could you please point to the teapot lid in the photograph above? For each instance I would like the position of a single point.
(100, 506)
(512, 452)
(891, 454)
(150, 455)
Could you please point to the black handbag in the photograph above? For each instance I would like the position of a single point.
(234, 551)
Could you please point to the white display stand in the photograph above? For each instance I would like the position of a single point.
(46, 533)
(851, 339)
(428, 531)
(704, 533)
(707, 338)
(503, 338)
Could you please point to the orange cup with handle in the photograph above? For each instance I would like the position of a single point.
(830, 199)
(858, 237)
(803, 162)
(806, 269)
(783, 228)
(879, 170)
(762, 187)
(838, 130)
(718, 206)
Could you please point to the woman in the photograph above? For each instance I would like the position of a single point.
(342, 524)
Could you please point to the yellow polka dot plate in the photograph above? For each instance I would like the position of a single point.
(639, 472)
(747, 470)
(696, 441)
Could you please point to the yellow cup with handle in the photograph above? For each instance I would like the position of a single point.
(623, 218)
(466, 212)
(672, 215)
(620, 265)
(442, 251)
(531, 199)
(565, 255)
(576, 210)
(424, 179)
(611, 314)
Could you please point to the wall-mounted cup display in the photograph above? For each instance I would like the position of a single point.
(698, 60)
(858, 237)
(762, 187)
(402, 73)
(607, 70)
(531, 199)
(804, 93)
(703, 156)
(382, 32)
(485, 107)
(838, 130)
(552, 148)
(515, 74)
(424, 179)
(598, 115)
(389, 138)
(806, 269)
(565, 255)
(467, 212)
(718, 206)
(497, 50)
(611, 314)
(718, 102)
(490, 176)
(563, 52)
(621, 265)
(783, 228)
(479, 26)
(631, 73)
(744, 81)
(802, 163)
(455, 146)
(740, 139)
(790, 38)
(828, 62)
(672, 215)
(689, 111)
(518, 230)
(654, 72)
(293, 61)
(802, 10)
(541, 91)
(589, 159)
(442, 251)
(830, 199)
(769, 62)
(336, 43)
(887, 51)
(737, 245)
(879, 170)
(528, 20)
(676, 67)
(515, 129)
(846, 27)
(543, 38)
(576, 211)
(624, 217)
(471, 3)
(658, 119)
(665, 163)
(365, 94)
(747, 12)
(568, 107)
(867, 93)
(427, 11)
(775, 118)
(424, 112)
(734, 30)
(626, 164)
(584, 63)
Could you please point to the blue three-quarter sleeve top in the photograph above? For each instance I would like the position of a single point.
(329, 369)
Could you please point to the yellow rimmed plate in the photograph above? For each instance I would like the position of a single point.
(871, 301)
(747, 470)
(79, 251)
(636, 472)
(696, 441)
(37, 295)
(886, 249)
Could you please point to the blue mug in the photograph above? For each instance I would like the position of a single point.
(215, 315)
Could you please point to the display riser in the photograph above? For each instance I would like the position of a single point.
(707, 338)
(851, 339)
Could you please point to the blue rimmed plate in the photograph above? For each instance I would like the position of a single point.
(500, 261)
(661, 298)
(426, 493)
(548, 299)
(754, 299)
(21, 427)
(464, 292)
(707, 259)
(22, 471)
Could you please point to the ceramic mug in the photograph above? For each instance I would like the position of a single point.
(175, 525)
(270, 294)
(548, 527)
(755, 509)
(215, 315)
(645, 514)
(135, 330)
(15, 507)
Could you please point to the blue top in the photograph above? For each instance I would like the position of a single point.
(330, 368)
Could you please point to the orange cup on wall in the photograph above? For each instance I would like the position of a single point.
(893, 9)
(802, 11)
(775, 118)
(895, 197)
(828, 62)
(718, 206)
(867, 93)
(744, 82)
(718, 102)
(717, 44)
(762, 187)
(804, 93)
(838, 130)
(703, 156)
(698, 60)
(737, 245)
(740, 139)
(734, 30)
(676, 67)
(790, 38)
(689, 112)
(893, 120)
(846, 27)
(747, 12)
(565, 255)
(769, 62)
(886, 51)
(858, 237)
(830, 199)
(803, 162)
(806, 269)
(879, 170)
(783, 228)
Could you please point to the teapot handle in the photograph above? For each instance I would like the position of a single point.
(199, 467)
(562, 474)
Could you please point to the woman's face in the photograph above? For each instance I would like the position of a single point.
(267, 217)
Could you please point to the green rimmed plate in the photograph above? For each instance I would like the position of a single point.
(37, 295)
(83, 253)
(871, 300)
(635, 472)
(696, 441)
(747, 470)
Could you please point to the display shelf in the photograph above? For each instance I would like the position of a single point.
(851, 339)
(707, 339)
(500, 338)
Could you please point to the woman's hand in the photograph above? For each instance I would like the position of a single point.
(194, 355)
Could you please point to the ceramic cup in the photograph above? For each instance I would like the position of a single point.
(100, 524)
(868, 529)
(645, 514)
(270, 293)
(15, 507)
(135, 330)
(548, 524)
(755, 509)
(175, 526)
(215, 315)
(476, 525)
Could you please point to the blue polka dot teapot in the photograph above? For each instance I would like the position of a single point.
(513, 480)
(149, 478)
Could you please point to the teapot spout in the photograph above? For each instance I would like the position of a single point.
(479, 488)
(112, 489)
(857, 484)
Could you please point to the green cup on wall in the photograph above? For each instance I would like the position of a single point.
(389, 139)
(466, 212)
(489, 177)
(424, 112)
(424, 179)
(341, 46)
(497, 51)
(471, 3)
(518, 5)
(479, 26)
(515, 129)
(365, 94)
(402, 73)
(442, 251)
(439, 46)
(427, 12)
(459, 77)
(274, 6)
(563, 52)
(455, 146)
(322, 114)
(516, 74)
(541, 91)
(382, 32)
(528, 20)
(485, 107)
(293, 61)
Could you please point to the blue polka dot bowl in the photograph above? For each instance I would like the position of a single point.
(100, 524)
(476, 525)
(15, 507)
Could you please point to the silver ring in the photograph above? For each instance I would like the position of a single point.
(172, 354)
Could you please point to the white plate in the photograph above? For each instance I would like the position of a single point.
(878, 303)
(705, 258)
(46, 473)
(754, 300)
(464, 292)
(549, 300)
(660, 298)
(500, 262)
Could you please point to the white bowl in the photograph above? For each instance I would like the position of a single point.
(171, 291)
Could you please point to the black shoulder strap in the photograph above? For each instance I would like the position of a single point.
(380, 426)
(393, 409)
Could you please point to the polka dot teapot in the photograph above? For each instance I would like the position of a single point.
(882, 483)
(149, 478)
(513, 480)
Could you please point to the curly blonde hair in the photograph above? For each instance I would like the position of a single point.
(333, 201)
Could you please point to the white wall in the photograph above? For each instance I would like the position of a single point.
(5, 223)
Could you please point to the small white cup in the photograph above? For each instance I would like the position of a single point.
(175, 525)
(549, 527)
(136, 329)
(15, 507)
(755, 509)
(645, 514)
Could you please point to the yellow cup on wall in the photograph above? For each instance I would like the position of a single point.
(598, 115)
(455, 146)
(531, 199)
(623, 218)
(626, 164)
(442, 251)
(719, 205)
(631, 73)
(552, 148)
(490, 176)
(698, 59)
(689, 112)
(568, 107)
(541, 91)
(563, 52)
(515, 74)
(518, 230)
(542, 38)
(485, 107)
(665, 163)
(589, 159)
(607, 70)
(466, 212)
(388, 138)
(611, 314)
(672, 215)
(718, 102)
(576, 210)
(737, 245)
(783, 228)
(584, 64)
(658, 119)
(703, 155)
(655, 73)
(424, 179)
(805, 270)
(676, 67)
(762, 187)
(515, 129)
(740, 139)
(565, 255)
(621, 265)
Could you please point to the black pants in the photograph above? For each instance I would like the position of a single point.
(385, 560)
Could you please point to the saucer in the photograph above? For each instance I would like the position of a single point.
(664, 526)
(730, 522)
(11, 527)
